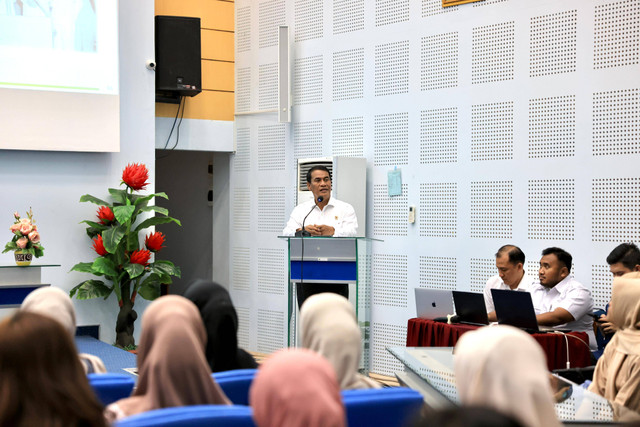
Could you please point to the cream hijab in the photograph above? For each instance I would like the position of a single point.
(172, 367)
(296, 388)
(617, 374)
(329, 327)
(55, 303)
(503, 368)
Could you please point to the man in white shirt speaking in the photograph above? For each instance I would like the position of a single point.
(322, 216)
(511, 275)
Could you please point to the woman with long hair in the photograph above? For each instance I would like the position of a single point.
(42, 382)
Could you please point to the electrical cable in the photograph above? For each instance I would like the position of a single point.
(175, 120)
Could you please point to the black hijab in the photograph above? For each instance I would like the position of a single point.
(221, 321)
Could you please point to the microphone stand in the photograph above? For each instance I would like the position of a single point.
(304, 233)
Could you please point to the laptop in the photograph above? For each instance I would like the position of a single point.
(432, 303)
(515, 308)
(470, 308)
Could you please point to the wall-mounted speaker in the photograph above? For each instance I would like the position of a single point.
(178, 58)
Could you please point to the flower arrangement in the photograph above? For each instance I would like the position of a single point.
(123, 260)
(26, 237)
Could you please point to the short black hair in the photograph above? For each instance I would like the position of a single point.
(627, 253)
(515, 253)
(563, 256)
(318, 168)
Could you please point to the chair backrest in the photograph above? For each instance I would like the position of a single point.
(193, 416)
(236, 384)
(110, 387)
(389, 407)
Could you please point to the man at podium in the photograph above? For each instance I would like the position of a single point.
(322, 216)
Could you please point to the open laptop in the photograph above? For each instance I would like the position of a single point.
(470, 308)
(432, 303)
(515, 308)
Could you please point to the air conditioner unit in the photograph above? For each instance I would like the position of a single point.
(348, 183)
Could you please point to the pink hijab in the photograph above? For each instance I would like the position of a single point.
(297, 388)
(172, 368)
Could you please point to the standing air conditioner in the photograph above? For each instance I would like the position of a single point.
(348, 183)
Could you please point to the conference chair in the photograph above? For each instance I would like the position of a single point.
(192, 416)
(110, 387)
(389, 407)
(236, 384)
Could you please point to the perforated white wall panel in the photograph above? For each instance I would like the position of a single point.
(511, 121)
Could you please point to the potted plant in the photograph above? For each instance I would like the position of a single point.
(26, 239)
(123, 260)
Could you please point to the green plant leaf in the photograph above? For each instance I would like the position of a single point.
(123, 213)
(134, 270)
(149, 291)
(119, 195)
(160, 210)
(112, 237)
(165, 267)
(155, 221)
(90, 289)
(11, 246)
(96, 225)
(90, 198)
(83, 267)
(105, 266)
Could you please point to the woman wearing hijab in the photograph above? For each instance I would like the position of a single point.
(329, 327)
(172, 369)
(41, 379)
(504, 368)
(55, 303)
(617, 374)
(296, 388)
(221, 322)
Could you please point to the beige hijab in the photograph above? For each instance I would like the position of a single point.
(172, 368)
(296, 388)
(329, 327)
(503, 368)
(617, 374)
(55, 303)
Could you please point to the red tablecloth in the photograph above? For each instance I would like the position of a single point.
(427, 333)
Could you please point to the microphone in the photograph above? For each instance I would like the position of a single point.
(303, 232)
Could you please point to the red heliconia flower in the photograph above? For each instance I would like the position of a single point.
(98, 246)
(135, 176)
(154, 241)
(105, 214)
(140, 257)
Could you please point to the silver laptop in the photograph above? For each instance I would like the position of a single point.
(432, 303)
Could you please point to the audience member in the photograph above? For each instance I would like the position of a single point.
(467, 416)
(41, 379)
(172, 368)
(329, 327)
(504, 368)
(221, 322)
(511, 275)
(617, 373)
(559, 300)
(297, 388)
(624, 259)
(56, 303)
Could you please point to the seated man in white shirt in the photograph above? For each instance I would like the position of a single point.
(325, 216)
(511, 275)
(559, 300)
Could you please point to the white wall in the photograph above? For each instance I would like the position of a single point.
(52, 182)
(513, 122)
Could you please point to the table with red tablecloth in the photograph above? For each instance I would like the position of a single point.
(427, 333)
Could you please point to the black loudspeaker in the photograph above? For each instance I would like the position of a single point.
(178, 58)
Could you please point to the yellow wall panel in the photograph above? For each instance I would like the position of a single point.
(217, 75)
(214, 14)
(217, 45)
(207, 105)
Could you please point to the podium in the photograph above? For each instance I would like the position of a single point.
(332, 260)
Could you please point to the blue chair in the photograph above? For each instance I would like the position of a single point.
(236, 384)
(193, 416)
(389, 407)
(111, 387)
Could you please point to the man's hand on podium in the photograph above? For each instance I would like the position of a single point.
(319, 230)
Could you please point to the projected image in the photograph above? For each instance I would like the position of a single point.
(57, 24)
